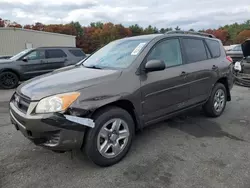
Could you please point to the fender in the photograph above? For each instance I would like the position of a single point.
(85, 108)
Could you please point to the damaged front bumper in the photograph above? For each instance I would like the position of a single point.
(54, 131)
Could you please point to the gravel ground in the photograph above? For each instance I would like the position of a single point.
(187, 151)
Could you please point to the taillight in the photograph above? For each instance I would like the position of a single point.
(229, 59)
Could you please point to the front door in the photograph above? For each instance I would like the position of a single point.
(34, 64)
(164, 91)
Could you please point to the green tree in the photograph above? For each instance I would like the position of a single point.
(96, 24)
(136, 30)
(78, 28)
(149, 30)
(177, 28)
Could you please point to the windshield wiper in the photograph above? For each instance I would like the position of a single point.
(92, 67)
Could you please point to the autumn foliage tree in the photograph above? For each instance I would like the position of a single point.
(242, 36)
(38, 26)
(221, 34)
(27, 27)
(14, 24)
(98, 34)
(1, 22)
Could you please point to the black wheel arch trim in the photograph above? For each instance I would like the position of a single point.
(11, 70)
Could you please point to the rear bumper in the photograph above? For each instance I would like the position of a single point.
(231, 78)
(53, 131)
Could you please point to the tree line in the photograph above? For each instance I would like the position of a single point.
(97, 34)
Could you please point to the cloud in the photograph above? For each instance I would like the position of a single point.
(160, 13)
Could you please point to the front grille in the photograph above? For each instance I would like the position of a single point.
(21, 102)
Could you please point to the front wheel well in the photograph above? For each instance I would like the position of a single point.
(126, 105)
(224, 81)
(11, 70)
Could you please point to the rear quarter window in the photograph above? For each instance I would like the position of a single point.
(195, 50)
(55, 53)
(214, 47)
(77, 53)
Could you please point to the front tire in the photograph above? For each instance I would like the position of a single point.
(216, 103)
(8, 80)
(110, 140)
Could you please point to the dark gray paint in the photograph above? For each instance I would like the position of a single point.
(33, 68)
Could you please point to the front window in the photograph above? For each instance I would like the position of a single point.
(117, 54)
(17, 56)
(168, 51)
(237, 48)
(36, 55)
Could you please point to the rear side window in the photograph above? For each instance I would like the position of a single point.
(214, 47)
(195, 50)
(77, 53)
(55, 53)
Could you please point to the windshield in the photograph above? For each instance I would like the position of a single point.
(116, 55)
(17, 56)
(237, 48)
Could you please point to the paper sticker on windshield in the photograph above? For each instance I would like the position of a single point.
(138, 48)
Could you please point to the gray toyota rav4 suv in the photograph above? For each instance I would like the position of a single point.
(99, 103)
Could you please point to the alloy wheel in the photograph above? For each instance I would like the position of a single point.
(219, 100)
(113, 138)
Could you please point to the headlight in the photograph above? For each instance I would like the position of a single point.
(56, 103)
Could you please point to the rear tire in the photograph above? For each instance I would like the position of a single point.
(8, 80)
(110, 140)
(216, 103)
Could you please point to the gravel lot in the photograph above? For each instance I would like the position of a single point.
(188, 151)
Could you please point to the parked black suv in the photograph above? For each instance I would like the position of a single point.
(34, 62)
(128, 84)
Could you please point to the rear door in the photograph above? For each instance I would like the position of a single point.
(56, 58)
(165, 91)
(34, 65)
(200, 64)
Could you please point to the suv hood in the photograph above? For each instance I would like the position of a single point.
(65, 80)
(246, 48)
(5, 61)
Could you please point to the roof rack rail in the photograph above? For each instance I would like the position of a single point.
(192, 33)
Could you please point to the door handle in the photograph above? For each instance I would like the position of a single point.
(214, 67)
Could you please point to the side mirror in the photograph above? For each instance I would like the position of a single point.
(154, 65)
(25, 59)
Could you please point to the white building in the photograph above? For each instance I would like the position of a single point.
(14, 40)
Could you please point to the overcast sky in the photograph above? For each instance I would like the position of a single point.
(197, 14)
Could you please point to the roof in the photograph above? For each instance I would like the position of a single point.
(172, 33)
(58, 47)
(148, 36)
(191, 33)
(35, 31)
